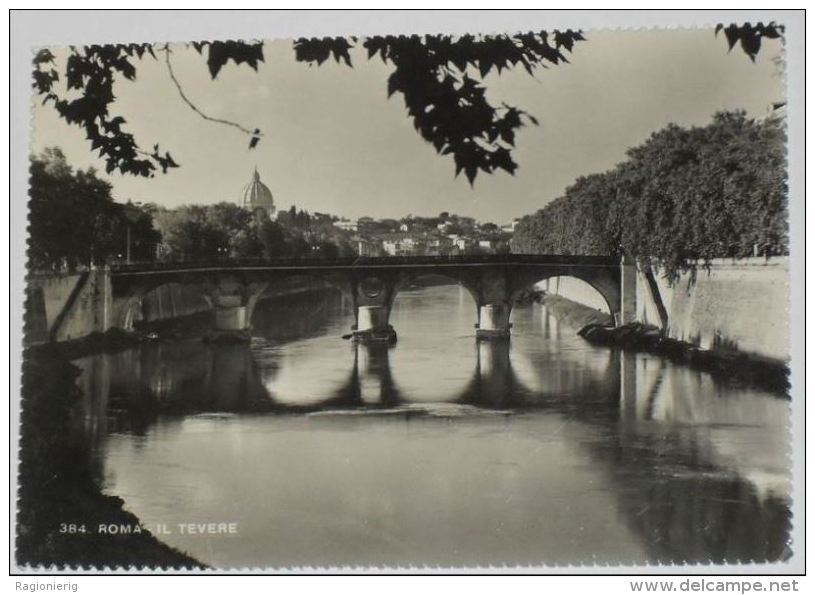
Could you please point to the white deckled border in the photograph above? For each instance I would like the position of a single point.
(30, 30)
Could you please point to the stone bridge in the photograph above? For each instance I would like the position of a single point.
(233, 287)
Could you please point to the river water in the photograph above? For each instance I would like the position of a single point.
(437, 451)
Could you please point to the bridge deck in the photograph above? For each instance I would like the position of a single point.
(369, 263)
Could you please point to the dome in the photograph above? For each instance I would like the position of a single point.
(256, 195)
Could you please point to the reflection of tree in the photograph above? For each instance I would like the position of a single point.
(184, 377)
(685, 509)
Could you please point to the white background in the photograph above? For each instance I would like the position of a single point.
(29, 29)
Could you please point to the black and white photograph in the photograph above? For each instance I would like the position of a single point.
(441, 300)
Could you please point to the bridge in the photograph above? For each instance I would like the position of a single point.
(234, 287)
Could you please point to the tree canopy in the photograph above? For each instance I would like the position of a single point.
(683, 197)
(73, 221)
(441, 79)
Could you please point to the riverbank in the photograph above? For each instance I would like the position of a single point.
(730, 367)
(573, 314)
(63, 518)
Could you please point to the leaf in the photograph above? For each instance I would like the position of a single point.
(43, 56)
(127, 69)
(732, 34)
(221, 52)
(449, 109)
(749, 36)
(751, 44)
(318, 50)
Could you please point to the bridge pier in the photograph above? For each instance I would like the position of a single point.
(628, 292)
(232, 316)
(372, 325)
(231, 319)
(493, 322)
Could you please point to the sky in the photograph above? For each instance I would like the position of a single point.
(333, 142)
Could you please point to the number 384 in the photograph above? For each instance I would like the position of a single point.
(71, 528)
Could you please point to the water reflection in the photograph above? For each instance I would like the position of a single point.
(543, 449)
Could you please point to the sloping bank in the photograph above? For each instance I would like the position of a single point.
(731, 367)
(63, 518)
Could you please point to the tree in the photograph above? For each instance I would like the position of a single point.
(273, 240)
(682, 198)
(74, 221)
(194, 238)
(139, 237)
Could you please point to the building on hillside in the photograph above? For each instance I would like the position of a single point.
(510, 227)
(366, 247)
(438, 246)
(401, 244)
(346, 225)
(257, 198)
(463, 245)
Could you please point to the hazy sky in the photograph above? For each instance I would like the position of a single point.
(334, 142)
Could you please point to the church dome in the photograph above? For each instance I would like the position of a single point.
(256, 195)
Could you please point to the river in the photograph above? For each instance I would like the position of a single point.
(438, 451)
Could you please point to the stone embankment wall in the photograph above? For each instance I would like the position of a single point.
(61, 307)
(740, 305)
(737, 306)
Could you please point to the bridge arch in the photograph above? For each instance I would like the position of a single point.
(291, 284)
(409, 280)
(605, 282)
(158, 299)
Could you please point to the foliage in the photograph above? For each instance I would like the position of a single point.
(576, 223)
(440, 77)
(221, 52)
(749, 36)
(683, 197)
(74, 221)
(91, 71)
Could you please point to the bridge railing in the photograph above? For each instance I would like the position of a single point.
(366, 261)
